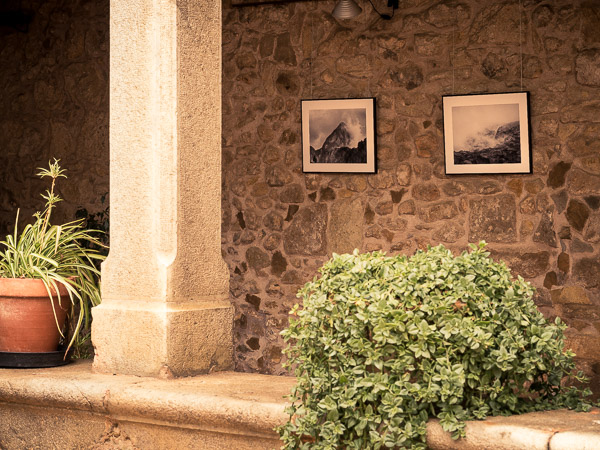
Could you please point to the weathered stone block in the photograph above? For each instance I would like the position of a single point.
(384, 208)
(563, 262)
(346, 226)
(587, 270)
(570, 295)
(446, 14)
(592, 232)
(409, 76)
(272, 241)
(426, 191)
(545, 231)
(403, 174)
(493, 219)
(397, 195)
(354, 66)
(294, 193)
(278, 264)
(584, 346)
(438, 211)
(306, 234)
(277, 176)
(582, 183)
(428, 44)
(493, 66)
(427, 145)
(587, 67)
(284, 52)
(273, 221)
(516, 186)
(408, 207)
(257, 259)
(577, 214)
(491, 23)
(449, 232)
(381, 180)
(581, 112)
(550, 280)
(556, 177)
(528, 265)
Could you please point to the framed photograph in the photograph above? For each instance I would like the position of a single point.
(339, 135)
(487, 133)
(261, 2)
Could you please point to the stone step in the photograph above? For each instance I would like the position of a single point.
(71, 407)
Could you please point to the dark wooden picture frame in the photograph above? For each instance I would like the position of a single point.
(487, 133)
(338, 135)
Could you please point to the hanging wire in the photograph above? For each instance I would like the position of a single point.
(520, 45)
(392, 4)
(453, 45)
(310, 60)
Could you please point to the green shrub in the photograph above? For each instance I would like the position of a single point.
(384, 343)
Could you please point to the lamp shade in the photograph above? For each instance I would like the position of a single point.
(346, 9)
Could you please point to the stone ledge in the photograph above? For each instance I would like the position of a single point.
(211, 411)
(72, 407)
(547, 430)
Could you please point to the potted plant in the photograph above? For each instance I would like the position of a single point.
(47, 273)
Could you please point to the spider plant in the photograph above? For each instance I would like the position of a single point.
(56, 254)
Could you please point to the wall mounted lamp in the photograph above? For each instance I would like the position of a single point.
(348, 9)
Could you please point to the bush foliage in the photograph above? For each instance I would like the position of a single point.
(382, 344)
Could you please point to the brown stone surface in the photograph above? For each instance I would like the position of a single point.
(306, 234)
(583, 183)
(54, 84)
(550, 280)
(556, 177)
(587, 67)
(577, 214)
(426, 191)
(54, 104)
(346, 226)
(437, 211)
(545, 233)
(587, 270)
(528, 265)
(570, 295)
(493, 219)
(564, 262)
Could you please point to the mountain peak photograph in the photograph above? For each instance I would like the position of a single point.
(338, 136)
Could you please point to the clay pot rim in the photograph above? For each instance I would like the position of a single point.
(28, 287)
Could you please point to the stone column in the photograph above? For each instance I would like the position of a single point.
(165, 302)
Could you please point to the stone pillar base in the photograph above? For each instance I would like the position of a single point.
(148, 338)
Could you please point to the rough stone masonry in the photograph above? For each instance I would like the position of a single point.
(280, 225)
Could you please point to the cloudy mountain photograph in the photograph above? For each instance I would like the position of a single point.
(486, 134)
(338, 136)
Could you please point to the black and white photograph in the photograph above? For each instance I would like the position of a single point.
(338, 135)
(487, 133)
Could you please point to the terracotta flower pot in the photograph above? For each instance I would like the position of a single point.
(27, 322)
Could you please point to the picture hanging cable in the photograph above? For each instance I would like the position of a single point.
(520, 44)
(310, 59)
(453, 46)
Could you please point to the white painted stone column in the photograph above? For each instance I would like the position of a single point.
(165, 304)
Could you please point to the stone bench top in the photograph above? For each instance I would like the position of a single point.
(252, 405)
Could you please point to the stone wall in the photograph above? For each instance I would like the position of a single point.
(280, 225)
(53, 104)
